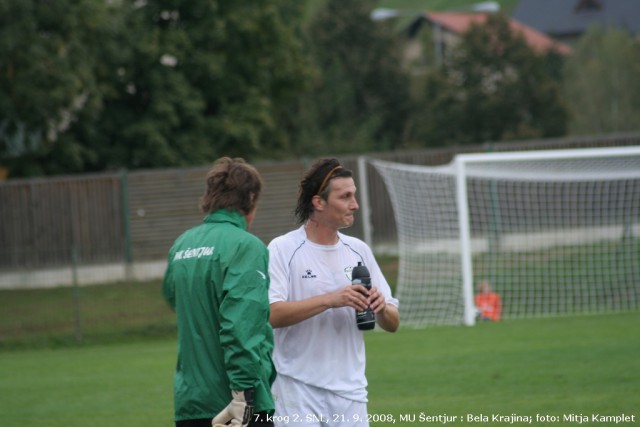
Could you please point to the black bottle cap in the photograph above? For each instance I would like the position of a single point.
(359, 271)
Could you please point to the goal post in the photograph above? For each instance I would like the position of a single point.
(555, 233)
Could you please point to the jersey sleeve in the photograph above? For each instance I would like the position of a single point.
(278, 273)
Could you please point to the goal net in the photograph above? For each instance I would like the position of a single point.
(554, 232)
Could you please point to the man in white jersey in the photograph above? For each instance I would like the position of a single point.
(319, 351)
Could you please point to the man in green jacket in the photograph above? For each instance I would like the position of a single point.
(217, 283)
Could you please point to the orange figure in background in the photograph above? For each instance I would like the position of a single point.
(488, 302)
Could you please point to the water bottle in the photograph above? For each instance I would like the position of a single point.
(366, 320)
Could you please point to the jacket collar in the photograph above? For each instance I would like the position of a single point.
(223, 215)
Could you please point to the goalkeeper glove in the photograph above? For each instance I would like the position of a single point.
(238, 412)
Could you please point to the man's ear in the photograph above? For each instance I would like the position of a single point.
(318, 203)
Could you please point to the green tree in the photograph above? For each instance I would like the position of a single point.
(359, 99)
(199, 79)
(97, 85)
(601, 86)
(492, 87)
(47, 76)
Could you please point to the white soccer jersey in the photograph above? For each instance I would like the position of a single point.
(326, 350)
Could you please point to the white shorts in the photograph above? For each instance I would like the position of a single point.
(299, 404)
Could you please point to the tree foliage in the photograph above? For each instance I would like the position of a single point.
(359, 99)
(236, 66)
(47, 75)
(90, 85)
(601, 83)
(492, 87)
(104, 85)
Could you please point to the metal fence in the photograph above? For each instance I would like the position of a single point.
(122, 220)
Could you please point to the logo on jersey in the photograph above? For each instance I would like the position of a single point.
(205, 251)
(347, 272)
(309, 274)
(264, 276)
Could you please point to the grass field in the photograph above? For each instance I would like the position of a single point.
(94, 314)
(587, 365)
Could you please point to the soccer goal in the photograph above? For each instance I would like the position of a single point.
(554, 232)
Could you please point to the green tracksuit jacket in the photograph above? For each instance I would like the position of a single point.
(217, 282)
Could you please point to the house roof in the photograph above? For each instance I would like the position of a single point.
(460, 22)
(573, 17)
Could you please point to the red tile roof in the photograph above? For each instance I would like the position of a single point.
(458, 22)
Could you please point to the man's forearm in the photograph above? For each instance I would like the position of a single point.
(288, 313)
(389, 319)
